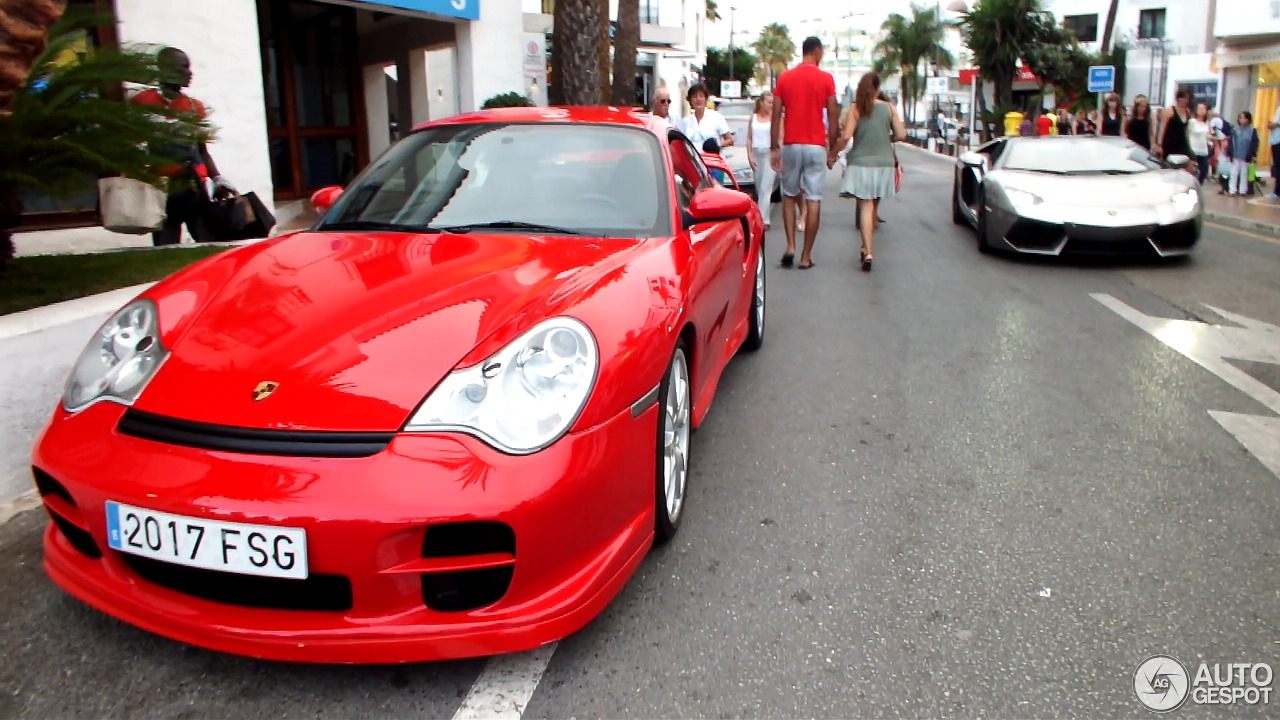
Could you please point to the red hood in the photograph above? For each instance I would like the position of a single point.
(355, 328)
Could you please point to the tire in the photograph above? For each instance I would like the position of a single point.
(957, 217)
(983, 247)
(671, 470)
(756, 311)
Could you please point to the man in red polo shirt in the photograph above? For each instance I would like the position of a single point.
(805, 99)
(188, 200)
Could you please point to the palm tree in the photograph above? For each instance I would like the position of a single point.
(775, 49)
(908, 42)
(999, 32)
(576, 54)
(24, 30)
(1105, 47)
(66, 127)
(624, 53)
(713, 11)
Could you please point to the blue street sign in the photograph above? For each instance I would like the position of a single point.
(461, 9)
(1102, 78)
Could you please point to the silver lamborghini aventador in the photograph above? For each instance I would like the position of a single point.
(1077, 194)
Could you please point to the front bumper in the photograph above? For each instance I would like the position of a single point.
(1055, 230)
(580, 514)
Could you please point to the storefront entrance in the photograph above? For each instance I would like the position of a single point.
(1264, 93)
(311, 82)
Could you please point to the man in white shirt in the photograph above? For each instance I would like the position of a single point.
(703, 123)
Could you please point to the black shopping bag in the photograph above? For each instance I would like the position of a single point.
(233, 216)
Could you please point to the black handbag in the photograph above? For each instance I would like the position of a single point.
(233, 216)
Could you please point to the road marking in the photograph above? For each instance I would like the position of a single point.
(1210, 346)
(503, 690)
(1242, 231)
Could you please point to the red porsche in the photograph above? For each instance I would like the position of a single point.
(449, 420)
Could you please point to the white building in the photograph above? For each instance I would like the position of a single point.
(304, 93)
(672, 43)
(1248, 56)
(1170, 43)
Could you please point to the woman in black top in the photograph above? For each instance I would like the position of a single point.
(1173, 135)
(1112, 116)
(1137, 126)
(1064, 122)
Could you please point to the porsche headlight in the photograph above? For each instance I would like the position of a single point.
(1186, 201)
(119, 360)
(1022, 198)
(524, 397)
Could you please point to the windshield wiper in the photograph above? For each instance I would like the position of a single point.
(510, 225)
(379, 226)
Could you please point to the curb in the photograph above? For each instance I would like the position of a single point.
(67, 311)
(1239, 223)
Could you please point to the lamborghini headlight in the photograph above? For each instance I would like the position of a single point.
(1186, 201)
(119, 360)
(1022, 198)
(525, 396)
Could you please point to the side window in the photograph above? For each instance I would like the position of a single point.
(690, 174)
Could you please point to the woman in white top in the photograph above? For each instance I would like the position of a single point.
(758, 129)
(1198, 137)
(703, 123)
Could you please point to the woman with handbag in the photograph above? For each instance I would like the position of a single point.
(872, 173)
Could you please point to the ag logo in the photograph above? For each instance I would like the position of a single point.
(1161, 683)
(264, 390)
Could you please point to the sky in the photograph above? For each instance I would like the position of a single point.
(802, 17)
(752, 15)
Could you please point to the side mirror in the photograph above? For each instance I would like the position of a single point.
(973, 159)
(719, 203)
(325, 197)
(1178, 162)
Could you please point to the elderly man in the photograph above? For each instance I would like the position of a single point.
(662, 106)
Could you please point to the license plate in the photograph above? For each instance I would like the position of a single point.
(209, 544)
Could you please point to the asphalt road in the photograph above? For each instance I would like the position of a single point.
(958, 486)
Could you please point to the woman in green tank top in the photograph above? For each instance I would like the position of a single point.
(874, 126)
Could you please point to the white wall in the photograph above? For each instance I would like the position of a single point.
(490, 54)
(221, 38)
(1246, 17)
(674, 72)
(442, 82)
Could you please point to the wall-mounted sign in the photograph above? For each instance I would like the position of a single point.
(461, 9)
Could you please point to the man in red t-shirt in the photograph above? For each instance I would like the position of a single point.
(806, 101)
(188, 200)
(1044, 124)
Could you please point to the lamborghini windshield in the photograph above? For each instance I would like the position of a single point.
(1084, 155)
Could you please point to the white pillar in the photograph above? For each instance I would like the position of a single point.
(226, 61)
(442, 82)
(419, 87)
(490, 54)
(376, 109)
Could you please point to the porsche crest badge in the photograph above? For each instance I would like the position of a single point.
(264, 390)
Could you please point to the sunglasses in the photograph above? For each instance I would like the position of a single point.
(664, 102)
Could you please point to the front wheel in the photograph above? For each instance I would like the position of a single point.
(957, 216)
(755, 333)
(983, 247)
(674, 424)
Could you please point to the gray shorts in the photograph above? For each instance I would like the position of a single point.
(804, 167)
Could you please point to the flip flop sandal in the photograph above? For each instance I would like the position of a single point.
(788, 259)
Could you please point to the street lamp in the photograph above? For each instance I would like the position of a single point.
(731, 12)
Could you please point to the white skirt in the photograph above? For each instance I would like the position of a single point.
(868, 183)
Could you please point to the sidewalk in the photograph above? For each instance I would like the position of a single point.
(1254, 213)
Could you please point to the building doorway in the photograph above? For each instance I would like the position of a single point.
(313, 99)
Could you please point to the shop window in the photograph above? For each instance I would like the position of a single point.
(1151, 23)
(41, 211)
(1084, 27)
(1267, 74)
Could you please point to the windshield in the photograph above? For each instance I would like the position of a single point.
(542, 178)
(1079, 156)
(739, 110)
